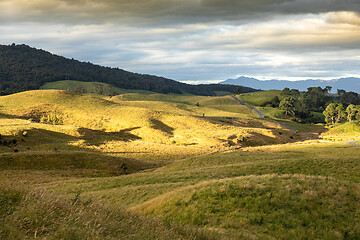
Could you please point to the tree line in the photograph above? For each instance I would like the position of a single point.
(300, 106)
(335, 112)
(25, 68)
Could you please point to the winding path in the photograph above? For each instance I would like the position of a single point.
(261, 115)
(284, 125)
(252, 108)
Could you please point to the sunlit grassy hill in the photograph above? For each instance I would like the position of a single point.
(153, 127)
(156, 166)
(347, 129)
(87, 160)
(343, 132)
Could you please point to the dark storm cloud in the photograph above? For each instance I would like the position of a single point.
(158, 11)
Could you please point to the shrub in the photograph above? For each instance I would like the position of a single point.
(52, 118)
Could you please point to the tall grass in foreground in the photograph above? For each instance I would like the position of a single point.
(39, 215)
(267, 206)
(300, 192)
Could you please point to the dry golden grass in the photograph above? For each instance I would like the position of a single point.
(166, 128)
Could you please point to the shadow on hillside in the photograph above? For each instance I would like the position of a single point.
(234, 121)
(4, 115)
(40, 136)
(98, 137)
(43, 149)
(156, 124)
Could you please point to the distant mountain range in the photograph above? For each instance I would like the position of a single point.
(347, 84)
(26, 68)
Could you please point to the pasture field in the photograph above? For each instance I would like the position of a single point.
(159, 166)
(258, 98)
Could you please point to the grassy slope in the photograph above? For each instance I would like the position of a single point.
(68, 181)
(90, 87)
(36, 214)
(258, 98)
(346, 129)
(285, 192)
(153, 122)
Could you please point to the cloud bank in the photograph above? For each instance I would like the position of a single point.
(195, 39)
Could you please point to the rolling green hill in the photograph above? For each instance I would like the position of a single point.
(97, 122)
(167, 166)
(258, 98)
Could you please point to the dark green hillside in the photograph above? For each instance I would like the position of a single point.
(26, 68)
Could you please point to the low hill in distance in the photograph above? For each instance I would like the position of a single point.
(347, 84)
(25, 68)
(90, 87)
(104, 88)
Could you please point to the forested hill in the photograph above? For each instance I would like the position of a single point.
(26, 68)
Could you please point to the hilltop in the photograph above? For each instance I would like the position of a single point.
(25, 68)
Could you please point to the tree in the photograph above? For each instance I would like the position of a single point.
(80, 89)
(275, 101)
(288, 105)
(99, 89)
(334, 113)
(349, 98)
(341, 114)
(286, 92)
(330, 113)
(357, 116)
(316, 98)
(351, 111)
(327, 89)
(294, 92)
(239, 90)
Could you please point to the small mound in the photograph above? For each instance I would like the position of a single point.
(266, 206)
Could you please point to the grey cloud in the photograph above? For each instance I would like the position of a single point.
(241, 6)
(318, 6)
(162, 12)
(194, 39)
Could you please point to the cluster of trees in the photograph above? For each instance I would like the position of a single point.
(302, 105)
(25, 68)
(335, 112)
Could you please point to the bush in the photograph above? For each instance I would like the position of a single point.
(52, 118)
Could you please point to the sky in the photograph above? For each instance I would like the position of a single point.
(195, 40)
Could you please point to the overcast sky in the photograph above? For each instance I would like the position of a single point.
(195, 40)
